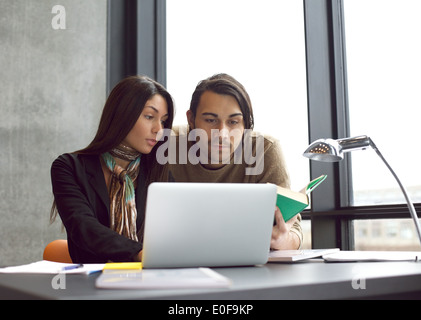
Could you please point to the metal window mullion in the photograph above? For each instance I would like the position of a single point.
(136, 40)
(327, 106)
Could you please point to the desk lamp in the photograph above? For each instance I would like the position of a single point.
(329, 150)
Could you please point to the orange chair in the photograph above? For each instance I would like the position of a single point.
(57, 251)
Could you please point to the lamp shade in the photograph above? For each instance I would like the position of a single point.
(329, 150)
(326, 150)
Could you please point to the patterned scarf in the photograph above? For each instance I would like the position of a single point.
(123, 211)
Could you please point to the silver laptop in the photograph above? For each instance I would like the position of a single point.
(208, 224)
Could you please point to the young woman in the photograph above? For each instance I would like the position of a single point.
(100, 191)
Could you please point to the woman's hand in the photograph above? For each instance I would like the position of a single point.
(282, 237)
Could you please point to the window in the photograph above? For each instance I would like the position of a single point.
(360, 58)
(383, 63)
(261, 44)
(298, 60)
(385, 234)
(333, 90)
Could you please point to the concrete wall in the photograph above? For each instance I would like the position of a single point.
(52, 91)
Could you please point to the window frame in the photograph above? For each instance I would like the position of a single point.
(332, 214)
(136, 40)
(137, 45)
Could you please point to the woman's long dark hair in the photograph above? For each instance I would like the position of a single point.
(121, 111)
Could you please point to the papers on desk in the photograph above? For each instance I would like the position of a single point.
(129, 275)
(162, 279)
(298, 255)
(49, 267)
(336, 255)
(372, 256)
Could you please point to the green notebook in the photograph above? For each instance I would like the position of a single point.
(291, 202)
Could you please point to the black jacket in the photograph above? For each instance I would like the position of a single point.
(83, 204)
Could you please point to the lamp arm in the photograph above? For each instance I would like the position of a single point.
(354, 143)
(408, 200)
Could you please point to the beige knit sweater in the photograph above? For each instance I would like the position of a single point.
(274, 168)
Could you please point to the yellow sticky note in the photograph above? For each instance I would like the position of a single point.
(123, 266)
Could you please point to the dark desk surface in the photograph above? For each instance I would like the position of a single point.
(313, 279)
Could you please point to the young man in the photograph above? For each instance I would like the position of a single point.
(221, 146)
